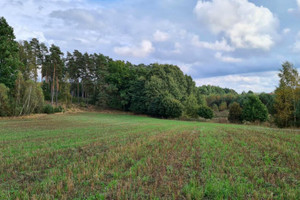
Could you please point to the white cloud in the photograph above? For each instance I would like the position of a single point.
(257, 82)
(228, 59)
(217, 45)
(244, 23)
(296, 46)
(286, 30)
(89, 27)
(25, 33)
(143, 50)
(298, 1)
(160, 36)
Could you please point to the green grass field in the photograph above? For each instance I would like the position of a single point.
(118, 156)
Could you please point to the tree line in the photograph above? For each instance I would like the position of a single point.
(159, 90)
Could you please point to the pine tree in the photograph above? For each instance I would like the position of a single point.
(36, 55)
(57, 70)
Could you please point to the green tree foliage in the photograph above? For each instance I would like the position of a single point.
(36, 57)
(32, 99)
(223, 106)
(205, 112)
(56, 67)
(168, 80)
(9, 55)
(287, 96)
(254, 109)
(166, 107)
(215, 107)
(32, 55)
(268, 100)
(171, 108)
(4, 101)
(297, 113)
(191, 106)
(137, 91)
(65, 95)
(209, 90)
(235, 113)
(27, 97)
(18, 93)
(219, 99)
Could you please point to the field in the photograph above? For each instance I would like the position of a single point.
(119, 156)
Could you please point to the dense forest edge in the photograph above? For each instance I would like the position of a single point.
(158, 90)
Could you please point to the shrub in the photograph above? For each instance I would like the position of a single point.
(58, 109)
(254, 110)
(235, 112)
(205, 112)
(48, 109)
(82, 104)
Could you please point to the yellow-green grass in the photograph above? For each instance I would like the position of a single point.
(118, 156)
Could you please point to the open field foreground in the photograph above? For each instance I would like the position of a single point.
(115, 156)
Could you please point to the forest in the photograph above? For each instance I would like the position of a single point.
(158, 90)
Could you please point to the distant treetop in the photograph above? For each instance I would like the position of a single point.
(209, 89)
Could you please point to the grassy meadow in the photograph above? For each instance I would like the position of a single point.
(119, 156)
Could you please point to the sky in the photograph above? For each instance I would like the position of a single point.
(238, 44)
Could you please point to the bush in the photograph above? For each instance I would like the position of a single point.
(58, 109)
(82, 104)
(48, 109)
(254, 110)
(235, 112)
(205, 112)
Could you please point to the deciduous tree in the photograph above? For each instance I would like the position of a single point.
(9, 54)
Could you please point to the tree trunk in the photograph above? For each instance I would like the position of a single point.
(36, 74)
(82, 92)
(94, 97)
(53, 83)
(57, 89)
(78, 90)
(86, 98)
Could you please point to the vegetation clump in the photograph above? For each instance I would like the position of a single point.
(235, 113)
(205, 112)
(254, 110)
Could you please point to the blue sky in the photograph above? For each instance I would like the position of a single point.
(239, 44)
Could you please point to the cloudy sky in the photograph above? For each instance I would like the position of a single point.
(239, 44)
